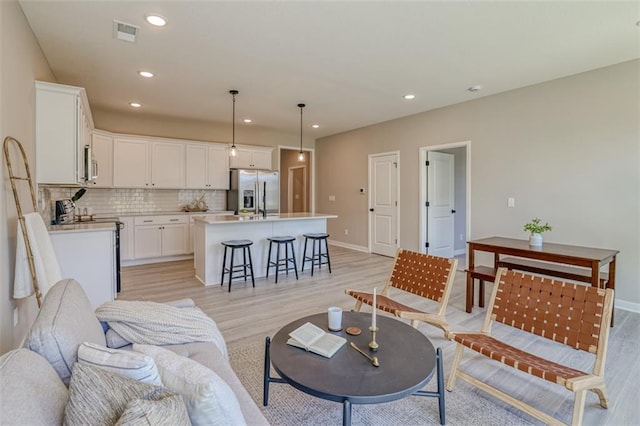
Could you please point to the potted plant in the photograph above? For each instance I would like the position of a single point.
(536, 228)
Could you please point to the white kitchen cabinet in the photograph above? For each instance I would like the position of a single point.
(88, 256)
(63, 129)
(207, 166)
(167, 164)
(157, 236)
(148, 163)
(131, 163)
(126, 238)
(102, 146)
(251, 158)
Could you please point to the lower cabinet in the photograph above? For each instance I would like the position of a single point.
(157, 236)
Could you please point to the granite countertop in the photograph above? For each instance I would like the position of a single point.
(259, 218)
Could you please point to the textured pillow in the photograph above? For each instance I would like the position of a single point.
(209, 399)
(114, 340)
(169, 411)
(31, 392)
(65, 320)
(133, 365)
(98, 397)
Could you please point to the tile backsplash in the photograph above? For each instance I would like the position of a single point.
(126, 200)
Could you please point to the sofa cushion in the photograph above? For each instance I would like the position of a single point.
(168, 411)
(98, 397)
(65, 320)
(210, 401)
(133, 365)
(209, 356)
(30, 390)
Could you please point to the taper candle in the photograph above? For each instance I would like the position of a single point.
(373, 315)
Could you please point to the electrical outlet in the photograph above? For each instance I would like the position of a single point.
(511, 202)
(332, 197)
(15, 317)
(461, 237)
(346, 231)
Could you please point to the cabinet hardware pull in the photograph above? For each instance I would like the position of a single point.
(147, 221)
(173, 220)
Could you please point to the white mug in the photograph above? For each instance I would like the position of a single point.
(335, 318)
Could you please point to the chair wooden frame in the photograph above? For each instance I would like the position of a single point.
(421, 274)
(572, 314)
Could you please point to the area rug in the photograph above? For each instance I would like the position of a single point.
(287, 406)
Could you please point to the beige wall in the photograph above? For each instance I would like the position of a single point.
(567, 150)
(21, 62)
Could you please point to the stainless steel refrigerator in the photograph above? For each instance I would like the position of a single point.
(254, 191)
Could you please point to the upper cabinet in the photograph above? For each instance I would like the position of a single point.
(102, 145)
(207, 166)
(63, 135)
(251, 158)
(145, 163)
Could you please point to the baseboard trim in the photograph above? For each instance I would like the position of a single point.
(349, 246)
(628, 306)
(459, 252)
(134, 262)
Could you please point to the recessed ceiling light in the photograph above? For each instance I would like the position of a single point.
(247, 120)
(145, 74)
(474, 88)
(409, 97)
(315, 126)
(157, 20)
(135, 104)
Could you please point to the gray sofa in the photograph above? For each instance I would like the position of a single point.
(34, 379)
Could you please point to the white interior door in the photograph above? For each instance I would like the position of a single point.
(383, 190)
(440, 208)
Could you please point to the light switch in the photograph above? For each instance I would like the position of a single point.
(511, 202)
(332, 197)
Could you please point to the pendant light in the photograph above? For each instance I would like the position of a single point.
(233, 125)
(301, 154)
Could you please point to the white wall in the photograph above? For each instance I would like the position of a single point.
(21, 62)
(567, 150)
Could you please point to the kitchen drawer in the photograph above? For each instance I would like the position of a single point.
(160, 220)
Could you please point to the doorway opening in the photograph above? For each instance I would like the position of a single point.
(445, 198)
(296, 181)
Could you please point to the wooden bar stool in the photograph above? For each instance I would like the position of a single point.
(318, 258)
(285, 261)
(241, 271)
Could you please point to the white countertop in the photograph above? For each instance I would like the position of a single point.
(270, 218)
(161, 213)
(82, 227)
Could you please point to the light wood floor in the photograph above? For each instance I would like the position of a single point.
(248, 315)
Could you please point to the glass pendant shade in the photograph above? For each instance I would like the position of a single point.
(301, 153)
(233, 151)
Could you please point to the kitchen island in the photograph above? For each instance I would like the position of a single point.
(209, 232)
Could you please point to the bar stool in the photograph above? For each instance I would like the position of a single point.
(240, 271)
(316, 258)
(286, 261)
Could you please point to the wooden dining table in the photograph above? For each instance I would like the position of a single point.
(559, 260)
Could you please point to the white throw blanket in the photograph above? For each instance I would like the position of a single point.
(154, 323)
(44, 258)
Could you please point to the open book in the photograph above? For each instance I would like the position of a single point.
(316, 340)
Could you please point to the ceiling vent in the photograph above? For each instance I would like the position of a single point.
(125, 32)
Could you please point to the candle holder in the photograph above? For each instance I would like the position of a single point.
(373, 345)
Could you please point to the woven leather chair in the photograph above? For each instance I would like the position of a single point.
(572, 314)
(424, 275)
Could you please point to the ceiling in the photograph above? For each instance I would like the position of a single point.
(351, 62)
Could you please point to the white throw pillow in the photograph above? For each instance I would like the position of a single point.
(209, 399)
(133, 365)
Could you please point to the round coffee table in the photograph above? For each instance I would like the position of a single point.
(407, 360)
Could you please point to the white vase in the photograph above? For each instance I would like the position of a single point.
(535, 240)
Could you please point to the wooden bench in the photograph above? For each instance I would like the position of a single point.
(571, 314)
(554, 269)
(424, 275)
(482, 274)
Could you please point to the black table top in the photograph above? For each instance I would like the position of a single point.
(407, 361)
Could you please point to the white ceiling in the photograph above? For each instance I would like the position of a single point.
(350, 61)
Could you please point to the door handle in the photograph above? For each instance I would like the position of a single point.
(371, 210)
(453, 211)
